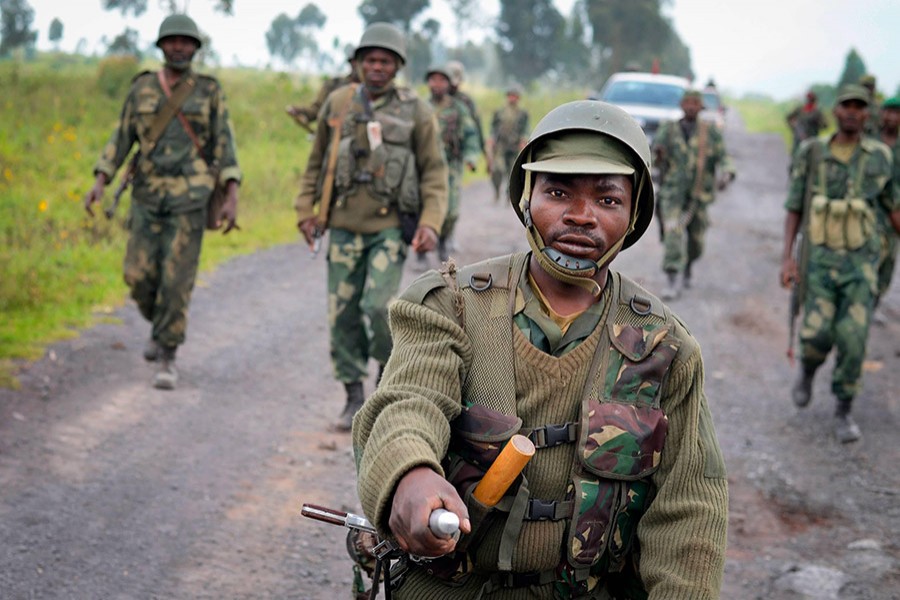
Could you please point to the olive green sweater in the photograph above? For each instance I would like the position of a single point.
(406, 423)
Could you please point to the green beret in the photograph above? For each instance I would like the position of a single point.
(892, 102)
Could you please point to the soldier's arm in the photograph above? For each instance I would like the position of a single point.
(305, 199)
(431, 167)
(470, 146)
(120, 142)
(224, 149)
(683, 533)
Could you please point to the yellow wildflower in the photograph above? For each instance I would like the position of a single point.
(42, 205)
(57, 127)
(7, 174)
(51, 138)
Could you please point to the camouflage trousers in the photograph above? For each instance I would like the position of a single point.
(886, 263)
(504, 158)
(454, 179)
(161, 266)
(364, 272)
(682, 245)
(837, 311)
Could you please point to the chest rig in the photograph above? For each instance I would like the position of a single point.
(617, 440)
(375, 150)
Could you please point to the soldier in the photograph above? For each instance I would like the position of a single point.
(186, 146)
(837, 186)
(460, 144)
(509, 132)
(687, 152)
(869, 82)
(806, 121)
(305, 116)
(457, 76)
(379, 152)
(890, 122)
(554, 345)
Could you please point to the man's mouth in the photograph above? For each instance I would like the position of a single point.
(575, 244)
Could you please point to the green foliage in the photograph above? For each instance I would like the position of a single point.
(288, 38)
(528, 32)
(56, 30)
(15, 26)
(399, 12)
(126, 43)
(114, 74)
(854, 68)
(763, 115)
(61, 269)
(135, 7)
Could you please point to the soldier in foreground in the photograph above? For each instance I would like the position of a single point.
(186, 147)
(837, 187)
(509, 132)
(305, 116)
(688, 153)
(554, 345)
(460, 144)
(377, 180)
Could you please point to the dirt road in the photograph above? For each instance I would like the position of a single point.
(111, 489)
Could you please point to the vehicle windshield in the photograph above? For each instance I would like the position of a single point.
(710, 101)
(643, 92)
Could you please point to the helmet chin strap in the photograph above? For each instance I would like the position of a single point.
(564, 268)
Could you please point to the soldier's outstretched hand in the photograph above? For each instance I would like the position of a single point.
(420, 492)
(95, 194)
(425, 239)
(228, 215)
(789, 273)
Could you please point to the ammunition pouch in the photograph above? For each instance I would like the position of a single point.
(840, 224)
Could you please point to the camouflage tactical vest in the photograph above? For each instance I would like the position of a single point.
(388, 169)
(618, 439)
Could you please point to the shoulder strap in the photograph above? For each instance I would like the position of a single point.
(172, 108)
(343, 96)
(702, 136)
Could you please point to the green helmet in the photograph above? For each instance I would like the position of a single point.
(179, 25)
(591, 117)
(384, 36)
(440, 69)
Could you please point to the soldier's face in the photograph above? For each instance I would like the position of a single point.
(691, 107)
(851, 116)
(890, 118)
(178, 48)
(379, 67)
(439, 85)
(581, 215)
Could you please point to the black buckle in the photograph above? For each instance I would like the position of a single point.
(553, 435)
(541, 510)
(362, 177)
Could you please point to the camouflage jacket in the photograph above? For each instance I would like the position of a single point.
(877, 186)
(676, 159)
(457, 131)
(173, 176)
(806, 124)
(409, 129)
(509, 128)
(311, 112)
(473, 111)
(449, 357)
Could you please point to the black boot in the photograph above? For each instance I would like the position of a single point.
(355, 399)
(166, 377)
(801, 393)
(443, 253)
(151, 351)
(686, 280)
(845, 428)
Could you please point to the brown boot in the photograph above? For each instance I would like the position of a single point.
(355, 399)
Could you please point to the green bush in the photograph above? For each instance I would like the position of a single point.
(115, 73)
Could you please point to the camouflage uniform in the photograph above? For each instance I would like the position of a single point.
(473, 112)
(888, 257)
(841, 283)
(366, 252)
(169, 195)
(460, 143)
(679, 144)
(309, 114)
(805, 123)
(509, 130)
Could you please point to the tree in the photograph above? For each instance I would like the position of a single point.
(463, 11)
(283, 39)
(309, 20)
(56, 32)
(574, 52)
(125, 44)
(854, 68)
(135, 7)
(15, 26)
(528, 32)
(419, 50)
(399, 12)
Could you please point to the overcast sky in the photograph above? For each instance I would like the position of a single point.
(776, 47)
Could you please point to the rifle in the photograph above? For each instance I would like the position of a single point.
(336, 123)
(126, 180)
(801, 249)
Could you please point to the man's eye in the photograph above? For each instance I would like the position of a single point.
(609, 201)
(556, 193)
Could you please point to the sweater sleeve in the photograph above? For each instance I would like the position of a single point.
(682, 535)
(405, 423)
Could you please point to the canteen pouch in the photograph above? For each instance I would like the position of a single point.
(396, 179)
(817, 210)
(835, 219)
(860, 223)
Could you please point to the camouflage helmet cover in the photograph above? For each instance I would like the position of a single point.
(179, 25)
(439, 69)
(384, 36)
(592, 116)
(457, 72)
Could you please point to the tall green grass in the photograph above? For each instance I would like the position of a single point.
(763, 115)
